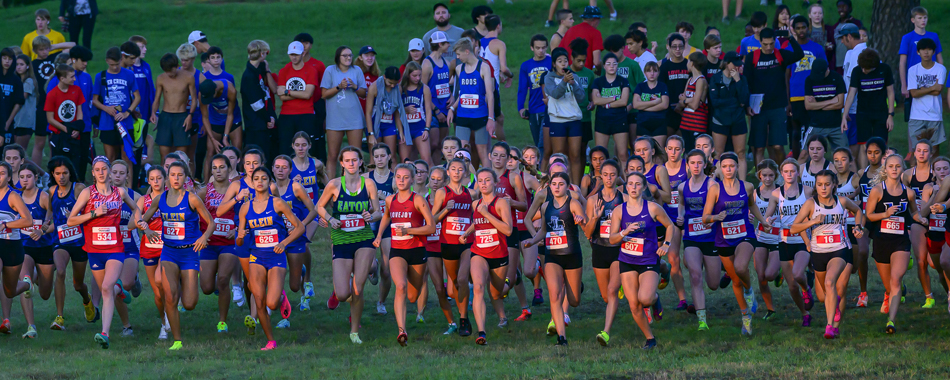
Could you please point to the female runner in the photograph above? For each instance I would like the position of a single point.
(563, 266)
(843, 161)
(874, 151)
(704, 143)
(301, 205)
(409, 221)
(633, 224)
(14, 215)
(936, 234)
(218, 260)
(698, 238)
(453, 206)
(826, 214)
(348, 215)
(386, 118)
(237, 279)
(727, 206)
(677, 173)
(418, 102)
(264, 221)
(98, 209)
(511, 187)
(151, 251)
(491, 227)
(129, 279)
(435, 268)
(600, 206)
(382, 178)
(69, 240)
(892, 206)
(420, 186)
(529, 254)
(529, 159)
(916, 178)
(766, 257)
(437, 73)
(786, 202)
(590, 183)
(309, 172)
(817, 146)
(37, 243)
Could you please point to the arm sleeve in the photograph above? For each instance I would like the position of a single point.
(902, 50)
(911, 73)
(840, 88)
(361, 79)
(553, 89)
(523, 81)
(888, 75)
(579, 94)
(253, 95)
(939, 48)
(743, 88)
(809, 91)
(50, 104)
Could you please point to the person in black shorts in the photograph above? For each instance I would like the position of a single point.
(172, 124)
(728, 97)
(609, 94)
(674, 73)
(652, 99)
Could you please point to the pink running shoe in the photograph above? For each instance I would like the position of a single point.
(285, 307)
(829, 332)
(271, 344)
(332, 302)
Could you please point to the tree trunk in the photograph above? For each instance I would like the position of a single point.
(890, 20)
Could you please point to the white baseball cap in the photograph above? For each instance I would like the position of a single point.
(295, 47)
(416, 44)
(196, 36)
(438, 37)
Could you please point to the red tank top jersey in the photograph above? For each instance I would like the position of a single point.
(696, 120)
(404, 214)
(487, 241)
(102, 233)
(223, 224)
(520, 215)
(504, 187)
(459, 217)
(149, 250)
(432, 241)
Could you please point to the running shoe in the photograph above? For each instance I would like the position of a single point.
(136, 287)
(620, 293)
(890, 328)
(807, 299)
(420, 318)
(657, 310)
(58, 324)
(285, 307)
(90, 311)
(837, 310)
(837, 334)
(503, 323)
(603, 338)
(567, 319)
(561, 341)
(283, 324)
(552, 329)
(548, 24)
(903, 293)
(374, 275)
(127, 332)
(103, 340)
(886, 305)
(380, 308)
(181, 308)
(650, 344)
(175, 346)
(747, 325)
(304, 304)
(725, 281)
(649, 314)
(749, 297)
(271, 344)
(5, 327)
(910, 263)
(453, 328)
(768, 315)
(308, 290)
(682, 305)
(127, 298)
(862, 300)
(691, 309)
(929, 303)
(525, 314)
(664, 275)
(251, 324)
(806, 320)
(613, 16)
(538, 299)
(237, 295)
(30, 333)
(703, 326)
(162, 333)
(32, 287)
(778, 281)
(402, 338)
(355, 338)
(481, 340)
(829, 332)
(332, 302)
(222, 327)
(465, 327)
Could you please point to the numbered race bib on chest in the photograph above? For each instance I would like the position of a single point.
(442, 90)
(605, 228)
(265, 238)
(154, 245)
(126, 234)
(828, 238)
(556, 240)
(697, 227)
(850, 219)
(67, 234)
(771, 232)
(222, 226)
(352, 222)
(632, 246)
(455, 225)
(388, 119)
(10, 234)
(438, 232)
(105, 235)
(173, 230)
(734, 229)
(486, 238)
(674, 199)
(37, 226)
(519, 217)
(415, 117)
(468, 101)
(938, 222)
(396, 226)
(893, 225)
(309, 191)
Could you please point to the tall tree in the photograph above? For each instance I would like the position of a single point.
(890, 20)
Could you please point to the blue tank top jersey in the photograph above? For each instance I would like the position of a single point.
(736, 227)
(266, 228)
(179, 223)
(639, 247)
(415, 98)
(383, 189)
(218, 109)
(65, 235)
(472, 103)
(296, 206)
(439, 85)
(129, 238)
(693, 227)
(7, 215)
(39, 215)
(308, 178)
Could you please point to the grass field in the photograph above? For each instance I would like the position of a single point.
(317, 346)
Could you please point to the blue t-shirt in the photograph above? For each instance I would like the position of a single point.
(119, 91)
(530, 79)
(646, 94)
(748, 45)
(909, 46)
(146, 85)
(84, 81)
(801, 69)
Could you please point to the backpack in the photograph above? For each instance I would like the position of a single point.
(758, 53)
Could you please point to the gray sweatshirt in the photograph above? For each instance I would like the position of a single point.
(555, 88)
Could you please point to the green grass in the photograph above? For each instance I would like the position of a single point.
(317, 345)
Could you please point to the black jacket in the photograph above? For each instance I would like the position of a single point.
(11, 94)
(257, 103)
(67, 7)
(767, 76)
(727, 102)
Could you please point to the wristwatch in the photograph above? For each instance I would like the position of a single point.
(890, 113)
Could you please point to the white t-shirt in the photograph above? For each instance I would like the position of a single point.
(928, 107)
(850, 63)
(645, 58)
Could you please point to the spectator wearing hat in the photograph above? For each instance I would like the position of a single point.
(452, 33)
(845, 17)
(296, 84)
(416, 54)
(437, 72)
(824, 99)
(587, 30)
(366, 61)
(728, 98)
(318, 148)
(849, 36)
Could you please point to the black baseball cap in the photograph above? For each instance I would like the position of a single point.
(818, 68)
(367, 49)
(206, 89)
(733, 58)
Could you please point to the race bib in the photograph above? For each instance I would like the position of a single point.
(556, 240)
(771, 232)
(893, 225)
(222, 226)
(455, 225)
(696, 227)
(438, 232)
(415, 117)
(605, 229)
(938, 222)
(265, 238)
(442, 90)
(468, 101)
(126, 235)
(352, 222)
(395, 226)
(105, 236)
(309, 191)
(173, 230)
(67, 234)
(850, 218)
(156, 245)
(733, 229)
(828, 238)
(632, 246)
(388, 119)
(519, 217)
(674, 199)
(37, 226)
(486, 238)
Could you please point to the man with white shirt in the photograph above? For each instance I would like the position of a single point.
(851, 38)
(925, 82)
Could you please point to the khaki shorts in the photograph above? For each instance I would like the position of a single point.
(922, 129)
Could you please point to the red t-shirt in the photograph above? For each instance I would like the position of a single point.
(320, 67)
(370, 79)
(64, 105)
(595, 42)
(297, 80)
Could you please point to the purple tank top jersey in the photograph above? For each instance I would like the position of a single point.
(694, 228)
(672, 206)
(639, 247)
(736, 227)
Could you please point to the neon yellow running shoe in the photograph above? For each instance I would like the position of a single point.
(703, 326)
(90, 311)
(603, 338)
(222, 327)
(929, 303)
(58, 324)
(355, 338)
(251, 324)
(620, 293)
(552, 329)
(175, 346)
